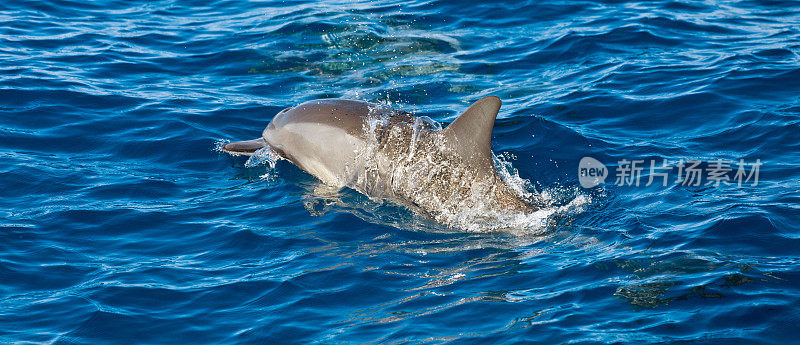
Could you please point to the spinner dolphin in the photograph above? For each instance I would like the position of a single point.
(388, 154)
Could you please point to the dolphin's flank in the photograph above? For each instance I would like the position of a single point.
(388, 154)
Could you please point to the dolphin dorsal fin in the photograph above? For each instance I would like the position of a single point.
(470, 135)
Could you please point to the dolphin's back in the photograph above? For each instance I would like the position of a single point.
(346, 114)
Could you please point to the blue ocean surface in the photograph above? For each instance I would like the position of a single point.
(121, 222)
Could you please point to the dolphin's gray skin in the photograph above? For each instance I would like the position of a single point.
(388, 154)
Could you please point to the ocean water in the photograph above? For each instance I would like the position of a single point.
(122, 223)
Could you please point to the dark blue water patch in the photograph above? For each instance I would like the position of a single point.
(97, 328)
(761, 88)
(143, 189)
(46, 277)
(751, 233)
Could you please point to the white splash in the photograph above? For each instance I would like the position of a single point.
(475, 214)
(263, 155)
(219, 143)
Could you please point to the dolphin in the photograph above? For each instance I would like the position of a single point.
(445, 174)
